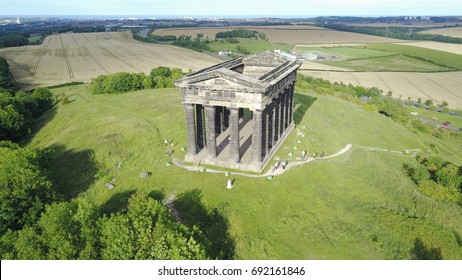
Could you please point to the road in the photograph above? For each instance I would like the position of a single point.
(450, 127)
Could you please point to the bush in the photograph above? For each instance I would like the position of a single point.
(160, 77)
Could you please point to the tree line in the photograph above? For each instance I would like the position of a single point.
(18, 112)
(7, 82)
(237, 33)
(159, 77)
(13, 41)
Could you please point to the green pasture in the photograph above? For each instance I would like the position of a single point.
(442, 58)
(398, 63)
(249, 44)
(346, 52)
(359, 205)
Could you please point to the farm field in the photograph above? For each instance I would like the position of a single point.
(359, 205)
(391, 63)
(250, 45)
(286, 34)
(344, 52)
(402, 71)
(452, 31)
(435, 86)
(445, 47)
(80, 57)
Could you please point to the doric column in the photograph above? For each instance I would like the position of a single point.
(287, 105)
(267, 129)
(270, 116)
(200, 128)
(264, 133)
(282, 104)
(210, 132)
(291, 104)
(234, 156)
(275, 121)
(190, 130)
(256, 136)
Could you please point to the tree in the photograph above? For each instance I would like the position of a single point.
(147, 231)
(200, 35)
(449, 176)
(24, 188)
(420, 174)
(161, 71)
(11, 122)
(429, 102)
(119, 83)
(444, 104)
(262, 36)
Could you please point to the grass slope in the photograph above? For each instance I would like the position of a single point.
(359, 205)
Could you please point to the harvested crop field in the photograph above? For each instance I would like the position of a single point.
(445, 47)
(286, 34)
(80, 57)
(451, 31)
(436, 86)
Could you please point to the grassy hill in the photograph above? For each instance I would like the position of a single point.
(359, 205)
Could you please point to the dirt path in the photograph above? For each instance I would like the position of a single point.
(270, 172)
(280, 170)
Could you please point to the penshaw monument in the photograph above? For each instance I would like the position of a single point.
(240, 111)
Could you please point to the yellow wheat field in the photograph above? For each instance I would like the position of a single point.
(80, 57)
(288, 34)
(435, 86)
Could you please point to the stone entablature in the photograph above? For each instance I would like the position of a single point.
(214, 98)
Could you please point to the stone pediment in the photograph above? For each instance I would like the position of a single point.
(222, 78)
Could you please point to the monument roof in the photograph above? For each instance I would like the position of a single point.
(257, 71)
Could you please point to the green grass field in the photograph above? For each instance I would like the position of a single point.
(347, 52)
(434, 56)
(395, 63)
(251, 45)
(390, 57)
(359, 205)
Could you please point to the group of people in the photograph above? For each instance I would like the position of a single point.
(315, 154)
(168, 152)
(283, 165)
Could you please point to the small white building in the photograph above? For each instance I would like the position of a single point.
(310, 56)
(225, 52)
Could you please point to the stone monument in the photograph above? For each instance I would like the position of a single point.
(240, 111)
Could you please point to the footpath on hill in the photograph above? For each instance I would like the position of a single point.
(280, 170)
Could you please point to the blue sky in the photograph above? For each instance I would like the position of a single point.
(231, 7)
